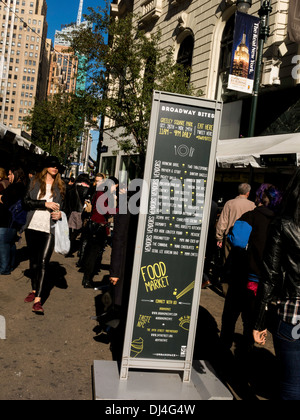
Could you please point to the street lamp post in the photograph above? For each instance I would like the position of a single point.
(243, 5)
(264, 33)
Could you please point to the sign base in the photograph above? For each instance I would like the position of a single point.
(149, 385)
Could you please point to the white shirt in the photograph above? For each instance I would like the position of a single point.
(41, 218)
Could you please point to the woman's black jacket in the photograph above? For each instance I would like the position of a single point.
(32, 203)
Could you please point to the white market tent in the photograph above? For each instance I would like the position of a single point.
(242, 152)
(14, 138)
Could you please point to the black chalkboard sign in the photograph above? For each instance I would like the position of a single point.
(166, 267)
(286, 159)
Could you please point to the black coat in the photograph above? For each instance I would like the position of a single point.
(75, 197)
(10, 196)
(32, 203)
(122, 255)
(260, 219)
(282, 256)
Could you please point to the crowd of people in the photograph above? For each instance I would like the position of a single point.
(32, 204)
(260, 242)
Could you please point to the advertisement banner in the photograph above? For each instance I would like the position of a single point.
(294, 21)
(244, 51)
(171, 243)
(171, 236)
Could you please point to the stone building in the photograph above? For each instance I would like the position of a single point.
(24, 59)
(201, 33)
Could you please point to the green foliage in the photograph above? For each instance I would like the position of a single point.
(125, 66)
(58, 122)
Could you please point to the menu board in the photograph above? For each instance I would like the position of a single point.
(167, 269)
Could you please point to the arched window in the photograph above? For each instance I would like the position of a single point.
(149, 76)
(185, 54)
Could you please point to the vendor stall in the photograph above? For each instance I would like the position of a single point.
(244, 152)
(15, 150)
(255, 160)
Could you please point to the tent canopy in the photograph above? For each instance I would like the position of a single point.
(242, 152)
(13, 138)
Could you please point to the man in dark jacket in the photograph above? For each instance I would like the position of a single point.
(75, 198)
(8, 228)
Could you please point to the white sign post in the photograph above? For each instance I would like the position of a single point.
(169, 257)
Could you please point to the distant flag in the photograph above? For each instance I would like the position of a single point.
(92, 163)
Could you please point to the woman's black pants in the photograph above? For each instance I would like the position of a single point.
(40, 248)
(96, 237)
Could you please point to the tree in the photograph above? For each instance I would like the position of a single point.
(125, 66)
(58, 122)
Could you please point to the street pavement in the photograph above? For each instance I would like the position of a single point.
(50, 356)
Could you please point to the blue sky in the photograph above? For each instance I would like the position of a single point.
(62, 12)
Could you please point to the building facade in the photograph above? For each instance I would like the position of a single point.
(24, 59)
(67, 70)
(63, 70)
(201, 34)
(68, 74)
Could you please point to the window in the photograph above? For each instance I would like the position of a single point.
(108, 166)
(130, 165)
(185, 54)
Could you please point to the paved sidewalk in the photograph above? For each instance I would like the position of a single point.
(50, 357)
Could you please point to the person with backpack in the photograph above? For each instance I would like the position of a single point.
(232, 211)
(44, 200)
(11, 218)
(248, 239)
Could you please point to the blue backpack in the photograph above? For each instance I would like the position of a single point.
(18, 215)
(239, 234)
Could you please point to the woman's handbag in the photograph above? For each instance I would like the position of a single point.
(62, 240)
(88, 207)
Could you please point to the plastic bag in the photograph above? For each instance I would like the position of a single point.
(62, 239)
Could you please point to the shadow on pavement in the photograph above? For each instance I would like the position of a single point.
(55, 277)
(249, 376)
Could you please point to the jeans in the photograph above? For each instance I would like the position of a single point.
(287, 350)
(7, 250)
